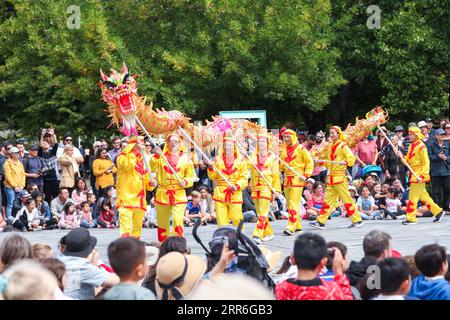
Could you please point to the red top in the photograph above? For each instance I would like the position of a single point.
(107, 216)
(316, 289)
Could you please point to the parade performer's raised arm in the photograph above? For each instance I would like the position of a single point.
(132, 182)
(262, 186)
(228, 199)
(337, 182)
(300, 164)
(417, 158)
(171, 194)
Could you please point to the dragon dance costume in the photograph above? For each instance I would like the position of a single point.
(170, 196)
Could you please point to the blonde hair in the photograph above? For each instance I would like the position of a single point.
(41, 251)
(29, 280)
(195, 194)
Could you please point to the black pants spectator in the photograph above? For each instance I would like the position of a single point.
(51, 189)
(440, 190)
(393, 215)
(104, 225)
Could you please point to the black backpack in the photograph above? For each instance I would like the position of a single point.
(250, 257)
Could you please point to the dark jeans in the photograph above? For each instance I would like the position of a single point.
(51, 189)
(440, 190)
(394, 215)
(104, 225)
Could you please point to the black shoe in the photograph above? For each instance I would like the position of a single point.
(356, 225)
(287, 233)
(298, 230)
(439, 216)
(408, 222)
(317, 225)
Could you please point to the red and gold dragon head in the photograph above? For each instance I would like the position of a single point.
(119, 91)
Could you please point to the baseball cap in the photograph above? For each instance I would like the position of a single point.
(439, 132)
(24, 194)
(33, 147)
(422, 124)
(13, 150)
(428, 120)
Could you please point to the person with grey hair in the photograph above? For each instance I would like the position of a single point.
(377, 245)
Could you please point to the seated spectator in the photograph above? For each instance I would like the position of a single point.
(150, 215)
(14, 248)
(366, 205)
(28, 280)
(207, 203)
(92, 200)
(315, 202)
(377, 245)
(43, 209)
(327, 273)
(173, 266)
(353, 192)
(107, 215)
(42, 251)
(398, 185)
(194, 212)
(310, 255)
(248, 205)
(19, 204)
(376, 190)
(59, 202)
(27, 219)
(309, 188)
(395, 280)
(279, 204)
(79, 194)
(32, 187)
(82, 276)
(431, 260)
(58, 269)
(393, 204)
(128, 258)
(413, 271)
(171, 244)
(86, 216)
(108, 194)
(380, 198)
(69, 218)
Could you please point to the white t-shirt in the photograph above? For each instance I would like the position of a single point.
(393, 204)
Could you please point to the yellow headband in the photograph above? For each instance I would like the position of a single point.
(342, 136)
(416, 131)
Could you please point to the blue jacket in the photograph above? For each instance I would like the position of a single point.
(430, 289)
(437, 165)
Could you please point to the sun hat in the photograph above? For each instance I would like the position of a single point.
(79, 243)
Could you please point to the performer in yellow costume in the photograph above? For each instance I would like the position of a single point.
(337, 181)
(132, 182)
(170, 196)
(228, 199)
(267, 164)
(417, 158)
(300, 161)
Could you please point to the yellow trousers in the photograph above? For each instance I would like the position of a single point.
(418, 192)
(130, 220)
(228, 211)
(293, 199)
(333, 193)
(163, 220)
(262, 228)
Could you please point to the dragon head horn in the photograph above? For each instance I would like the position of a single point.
(124, 68)
(104, 77)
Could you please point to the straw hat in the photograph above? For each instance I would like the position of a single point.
(177, 275)
(272, 257)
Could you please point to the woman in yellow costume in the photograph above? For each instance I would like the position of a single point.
(337, 181)
(228, 199)
(301, 163)
(267, 164)
(170, 196)
(132, 182)
(417, 158)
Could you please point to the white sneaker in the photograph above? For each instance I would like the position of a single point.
(268, 238)
(402, 217)
(257, 240)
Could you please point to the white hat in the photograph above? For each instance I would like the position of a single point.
(353, 188)
(422, 124)
(311, 180)
(152, 254)
(13, 150)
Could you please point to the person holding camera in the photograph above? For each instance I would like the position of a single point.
(34, 168)
(439, 153)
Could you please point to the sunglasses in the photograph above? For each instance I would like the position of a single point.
(319, 137)
(148, 145)
(69, 140)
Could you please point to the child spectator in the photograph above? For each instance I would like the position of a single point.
(58, 269)
(376, 189)
(393, 204)
(128, 258)
(82, 276)
(207, 203)
(380, 198)
(43, 209)
(310, 256)
(28, 280)
(92, 200)
(366, 205)
(353, 192)
(431, 260)
(194, 212)
(106, 219)
(327, 273)
(315, 202)
(42, 251)
(96, 261)
(309, 188)
(398, 185)
(395, 280)
(14, 248)
(27, 219)
(69, 218)
(86, 216)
